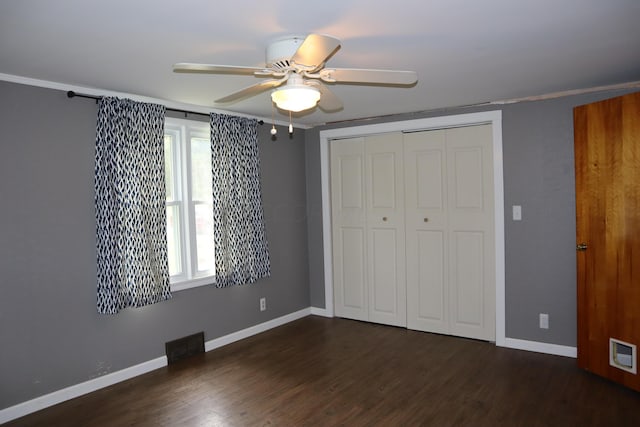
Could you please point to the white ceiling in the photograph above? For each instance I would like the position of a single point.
(464, 51)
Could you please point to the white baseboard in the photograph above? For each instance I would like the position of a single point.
(538, 347)
(59, 396)
(541, 347)
(320, 312)
(535, 346)
(253, 330)
(68, 393)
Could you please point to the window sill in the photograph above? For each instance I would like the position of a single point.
(193, 283)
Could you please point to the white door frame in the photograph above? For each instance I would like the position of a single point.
(492, 117)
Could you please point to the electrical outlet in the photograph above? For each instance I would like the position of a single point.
(263, 304)
(544, 321)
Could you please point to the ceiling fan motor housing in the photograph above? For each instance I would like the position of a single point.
(279, 53)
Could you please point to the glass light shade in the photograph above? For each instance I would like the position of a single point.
(296, 98)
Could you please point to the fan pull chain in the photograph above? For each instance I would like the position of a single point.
(290, 125)
(274, 131)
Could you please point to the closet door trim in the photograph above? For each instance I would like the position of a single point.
(492, 117)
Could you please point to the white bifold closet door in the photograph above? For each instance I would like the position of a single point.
(413, 230)
(367, 203)
(450, 231)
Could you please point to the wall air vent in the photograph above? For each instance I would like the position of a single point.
(184, 347)
(622, 355)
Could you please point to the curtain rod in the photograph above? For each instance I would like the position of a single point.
(72, 94)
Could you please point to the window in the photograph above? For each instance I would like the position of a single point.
(189, 203)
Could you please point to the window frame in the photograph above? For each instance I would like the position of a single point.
(182, 131)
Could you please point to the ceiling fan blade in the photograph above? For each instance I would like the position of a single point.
(315, 50)
(187, 67)
(328, 100)
(250, 91)
(382, 77)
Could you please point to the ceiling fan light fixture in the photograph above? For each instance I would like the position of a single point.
(295, 98)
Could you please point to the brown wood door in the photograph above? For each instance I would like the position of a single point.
(607, 156)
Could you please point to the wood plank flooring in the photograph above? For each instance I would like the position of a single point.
(337, 372)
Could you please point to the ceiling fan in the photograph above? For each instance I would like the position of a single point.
(297, 66)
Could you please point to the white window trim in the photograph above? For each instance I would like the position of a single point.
(184, 129)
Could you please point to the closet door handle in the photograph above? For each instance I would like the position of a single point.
(384, 218)
(426, 220)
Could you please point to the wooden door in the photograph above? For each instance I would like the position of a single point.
(607, 156)
(450, 231)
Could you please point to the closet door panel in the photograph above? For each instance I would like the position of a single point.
(471, 222)
(430, 286)
(348, 212)
(426, 235)
(466, 284)
(385, 229)
(354, 292)
(384, 298)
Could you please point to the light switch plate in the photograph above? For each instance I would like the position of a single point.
(517, 213)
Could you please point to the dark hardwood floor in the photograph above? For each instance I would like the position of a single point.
(331, 372)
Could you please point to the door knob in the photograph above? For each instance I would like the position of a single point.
(581, 247)
(426, 220)
(384, 218)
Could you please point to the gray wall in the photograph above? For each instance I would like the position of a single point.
(51, 336)
(540, 250)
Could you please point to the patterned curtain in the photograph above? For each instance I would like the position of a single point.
(242, 254)
(133, 268)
